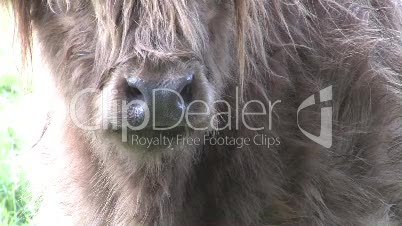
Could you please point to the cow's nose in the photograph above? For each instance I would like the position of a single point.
(166, 100)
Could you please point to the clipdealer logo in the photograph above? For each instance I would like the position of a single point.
(324, 138)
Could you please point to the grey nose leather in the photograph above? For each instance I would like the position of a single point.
(166, 100)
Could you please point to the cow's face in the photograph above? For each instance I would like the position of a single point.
(134, 70)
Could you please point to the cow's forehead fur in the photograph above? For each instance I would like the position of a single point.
(164, 29)
(167, 27)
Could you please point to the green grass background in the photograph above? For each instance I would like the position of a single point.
(15, 208)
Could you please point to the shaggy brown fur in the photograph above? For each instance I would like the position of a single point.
(273, 49)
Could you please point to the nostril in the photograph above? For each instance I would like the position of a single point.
(133, 93)
(186, 93)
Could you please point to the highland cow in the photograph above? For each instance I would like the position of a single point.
(232, 84)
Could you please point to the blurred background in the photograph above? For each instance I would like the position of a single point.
(17, 98)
